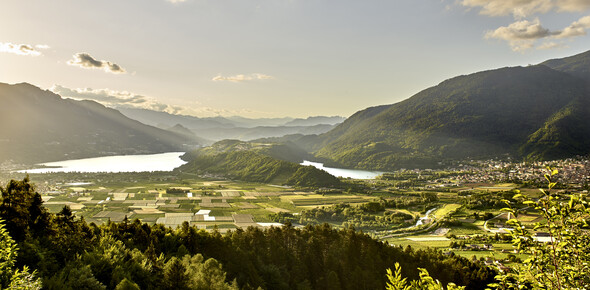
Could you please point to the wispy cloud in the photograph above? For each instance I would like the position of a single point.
(517, 8)
(113, 98)
(22, 49)
(577, 28)
(176, 1)
(550, 45)
(85, 60)
(525, 8)
(125, 99)
(523, 35)
(242, 78)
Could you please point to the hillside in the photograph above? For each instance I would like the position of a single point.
(577, 65)
(316, 120)
(256, 162)
(531, 112)
(40, 126)
(248, 134)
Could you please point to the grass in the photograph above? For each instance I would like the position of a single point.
(403, 242)
(466, 229)
(445, 210)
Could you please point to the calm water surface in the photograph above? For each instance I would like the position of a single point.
(340, 172)
(120, 163)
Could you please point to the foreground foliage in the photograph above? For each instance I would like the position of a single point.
(396, 282)
(564, 261)
(10, 277)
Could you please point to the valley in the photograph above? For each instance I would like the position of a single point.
(467, 173)
(459, 208)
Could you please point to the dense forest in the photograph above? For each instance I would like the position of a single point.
(67, 253)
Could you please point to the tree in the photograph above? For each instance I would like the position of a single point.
(10, 277)
(205, 274)
(126, 285)
(21, 208)
(175, 276)
(75, 275)
(564, 261)
(396, 282)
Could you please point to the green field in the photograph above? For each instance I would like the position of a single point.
(161, 198)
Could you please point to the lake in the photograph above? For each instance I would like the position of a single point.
(120, 163)
(346, 173)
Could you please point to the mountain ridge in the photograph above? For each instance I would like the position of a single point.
(40, 126)
(480, 115)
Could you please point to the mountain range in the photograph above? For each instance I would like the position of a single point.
(220, 128)
(535, 112)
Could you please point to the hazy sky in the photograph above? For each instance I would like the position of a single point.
(272, 58)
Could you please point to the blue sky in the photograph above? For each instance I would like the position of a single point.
(273, 58)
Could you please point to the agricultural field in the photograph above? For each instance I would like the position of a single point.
(460, 218)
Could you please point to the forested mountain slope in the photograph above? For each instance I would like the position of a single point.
(535, 112)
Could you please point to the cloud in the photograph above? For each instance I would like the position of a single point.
(176, 1)
(520, 30)
(551, 45)
(573, 5)
(522, 35)
(241, 78)
(22, 49)
(518, 8)
(124, 99)
(85, 60)
(112, 98)
(577, 28)
(524, 8)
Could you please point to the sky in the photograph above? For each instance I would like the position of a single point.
(274, 58)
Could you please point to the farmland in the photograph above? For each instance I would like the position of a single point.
(464, 218)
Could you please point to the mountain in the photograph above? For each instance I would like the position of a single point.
(534, 112)
(251, 123)
(577, 65)
(219, 128)
(185, 132)
(247, 134)
(165, 120)
(316, 120)
(39, 126)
